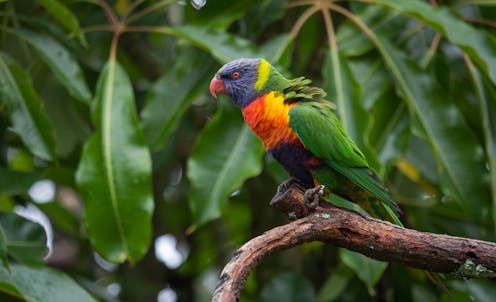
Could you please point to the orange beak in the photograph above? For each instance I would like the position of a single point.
(217, 87)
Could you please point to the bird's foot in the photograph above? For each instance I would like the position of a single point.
(313, 195)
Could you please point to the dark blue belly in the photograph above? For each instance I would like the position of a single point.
(293, 157)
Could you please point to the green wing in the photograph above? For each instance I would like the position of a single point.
(322, 133)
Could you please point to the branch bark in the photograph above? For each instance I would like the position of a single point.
(374, 238)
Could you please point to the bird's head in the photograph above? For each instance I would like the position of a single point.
(244, 80)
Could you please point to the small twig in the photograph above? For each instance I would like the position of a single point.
(375, 238)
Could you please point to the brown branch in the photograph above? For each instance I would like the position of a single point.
(375, 238)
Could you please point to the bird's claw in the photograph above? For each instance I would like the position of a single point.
(283, 188)
(312, 196)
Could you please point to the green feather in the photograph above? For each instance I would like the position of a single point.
(323, 134)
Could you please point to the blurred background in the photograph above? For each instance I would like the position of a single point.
(122, 179)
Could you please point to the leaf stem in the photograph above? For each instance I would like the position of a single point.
(300, 3)
(130, 9)
(150, 29)
(101, 27)
(336, 68)
(113, 45)
(432, 51)
(295, 30)
(480, 21)
(108, 12)
(366, 30)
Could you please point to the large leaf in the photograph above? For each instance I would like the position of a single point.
(64, 16)
(3, 248)
(220, 44)
(61, 62)
(171, 95)
(389, 133)
(61, 218)
(344, 89)
(486, 93)
(460, 154)
(336, 284)
(26, 111)
(353, 42)
(25, 240)
(373, 78)
(114, 173)
(367, 269)
(226, 153)
(41, 284)
(478, 44)
(288, 287)
(216, 14)
(16, 182)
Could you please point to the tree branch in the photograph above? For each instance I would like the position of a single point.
(375, 238)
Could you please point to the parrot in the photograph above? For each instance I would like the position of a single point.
(300, 129)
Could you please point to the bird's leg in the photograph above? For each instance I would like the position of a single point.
(313, 195)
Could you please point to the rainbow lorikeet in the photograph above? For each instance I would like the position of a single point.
(299, 128)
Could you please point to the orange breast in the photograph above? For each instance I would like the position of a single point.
(268, 117)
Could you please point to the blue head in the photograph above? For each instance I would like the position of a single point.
(237, 79)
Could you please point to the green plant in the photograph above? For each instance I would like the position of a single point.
(108, 100)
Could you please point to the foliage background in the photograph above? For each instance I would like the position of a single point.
(146, 185)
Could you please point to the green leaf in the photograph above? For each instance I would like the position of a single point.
(288, 287)
(3, 248)
(64, 16)
(42, 284)
(114, 173)
(61, 62)
(336, 284)
(389, 131)
(371, 74)
(216, 14)
(16, 182)
(61, 218)
(486, 94)
(26, 109)
(478, 290)
(225, 154)
(11, 290)
(353, 42)
(220, 44)
(68, 117)
(460, 154)
(343, 87)
(25, 240)
(478, 44)
(368, 270)
(172, 94)
(484, 2)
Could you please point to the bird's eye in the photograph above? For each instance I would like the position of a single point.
(236, 75)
